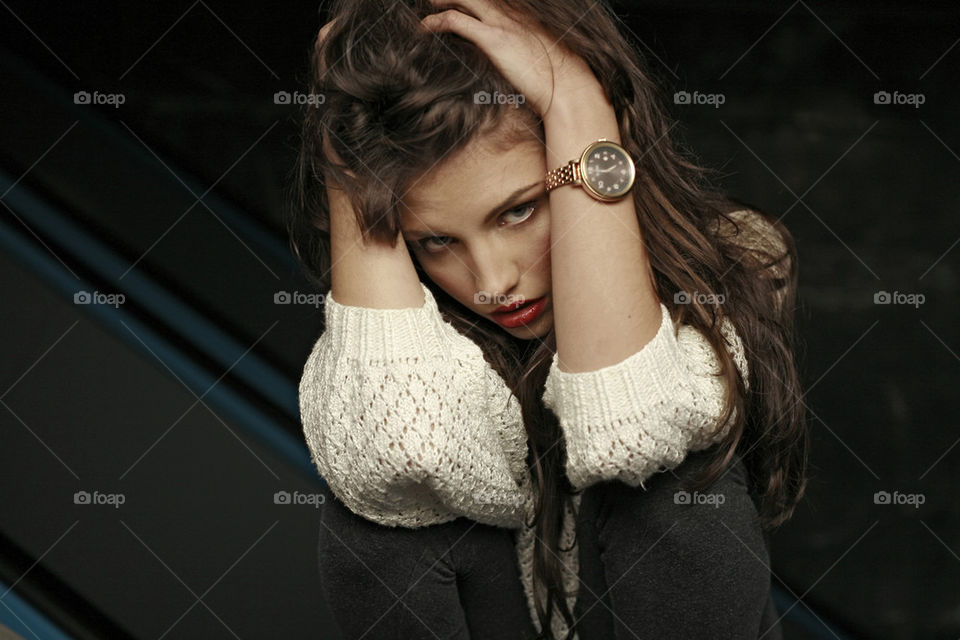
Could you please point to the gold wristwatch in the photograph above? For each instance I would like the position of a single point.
(605, 171)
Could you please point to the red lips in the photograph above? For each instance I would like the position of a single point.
(520, 313)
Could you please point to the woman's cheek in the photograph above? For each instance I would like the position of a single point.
(450, 281)
(541, 244)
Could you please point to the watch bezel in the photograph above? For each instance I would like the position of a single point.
(584, 176)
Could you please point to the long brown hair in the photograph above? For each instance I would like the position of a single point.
(397, 101)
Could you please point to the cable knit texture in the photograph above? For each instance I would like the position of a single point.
(407, 422)
(643, 414)
(410, 426)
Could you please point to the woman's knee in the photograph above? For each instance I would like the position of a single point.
(694, 539)
(451, 580)
(351, 546)
(668, 501)
(388, 582)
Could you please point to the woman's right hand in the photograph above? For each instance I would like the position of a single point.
(328, 151)
(364, 273)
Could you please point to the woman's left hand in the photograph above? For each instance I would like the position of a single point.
(541, 69)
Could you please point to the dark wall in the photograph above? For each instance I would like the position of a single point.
(179, 192)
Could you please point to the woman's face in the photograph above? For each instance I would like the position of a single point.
(479, 225)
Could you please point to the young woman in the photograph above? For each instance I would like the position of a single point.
(556, 391)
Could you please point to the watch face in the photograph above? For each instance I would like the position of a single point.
(607, 170)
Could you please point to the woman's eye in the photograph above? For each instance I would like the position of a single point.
(433, 244)
(527, 208)
(425, 243)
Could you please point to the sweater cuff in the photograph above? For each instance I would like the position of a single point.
(369, 334)
(612, 393)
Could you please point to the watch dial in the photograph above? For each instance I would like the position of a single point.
(609, 171)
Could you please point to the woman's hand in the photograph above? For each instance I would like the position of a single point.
(540, 68)
(328, 151)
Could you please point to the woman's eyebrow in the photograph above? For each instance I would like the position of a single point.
(415, 234)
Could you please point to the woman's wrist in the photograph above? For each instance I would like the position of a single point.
(368, 273)
(580, 114)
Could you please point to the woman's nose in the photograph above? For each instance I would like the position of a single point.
(495, 272)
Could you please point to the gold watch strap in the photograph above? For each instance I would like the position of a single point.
(567, 174)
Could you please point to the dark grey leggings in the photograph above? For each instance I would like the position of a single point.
(652, 565)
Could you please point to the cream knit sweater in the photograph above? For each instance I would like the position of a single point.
(410, 426)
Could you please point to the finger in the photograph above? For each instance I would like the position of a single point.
(454, 21)
(477, 9)
(324, 30)
(321, 36)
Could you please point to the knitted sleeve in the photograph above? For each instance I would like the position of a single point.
(408, 423)
(642, 415)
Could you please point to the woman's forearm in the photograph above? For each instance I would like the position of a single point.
(604, 301)
(374, 274)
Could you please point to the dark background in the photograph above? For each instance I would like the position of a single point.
(183, 398)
